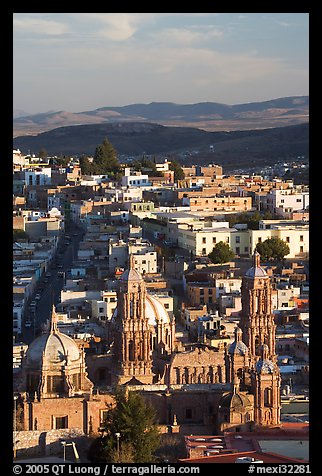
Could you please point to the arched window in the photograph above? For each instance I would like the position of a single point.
(268, 397)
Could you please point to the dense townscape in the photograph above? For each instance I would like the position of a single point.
(183, 288)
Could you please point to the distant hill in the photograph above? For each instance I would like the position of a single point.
(137, 138)
(209, 116)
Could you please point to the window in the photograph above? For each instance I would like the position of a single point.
(202, 291)
(301, 238)
(298, 199)
(210, 291)
(210, 299)
(246, 249)
(204, 240)
(59, 423)
(237, 239)
(188, 413)
(282, 201)
(227, 239)
(166, 305)
(237, 250)
(214, 240)
(287, 239)
(101, 309)
(301, 249)
(143, 261)
(103, 416)
(259, 240)
(204, 251)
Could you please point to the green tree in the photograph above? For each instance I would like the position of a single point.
(105, 159)
(145, 163)
(178, 172)
(85, 165)
(135, 420)
(221, 253)
(273, 249)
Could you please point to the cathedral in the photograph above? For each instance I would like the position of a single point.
(202, 388)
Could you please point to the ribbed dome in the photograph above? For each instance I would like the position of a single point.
(154, 311)
(265, 367)
(55, 347)
(238, 348)
(256, 271)
(131, 275)
(234, 401)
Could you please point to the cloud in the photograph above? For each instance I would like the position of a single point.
(185, 36)
(39, 26)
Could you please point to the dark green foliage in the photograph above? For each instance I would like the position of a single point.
(134, 419)
(250, 218)
(146, 166)
(178, 172)
(221, 253)
(273, 249)
(105, 159)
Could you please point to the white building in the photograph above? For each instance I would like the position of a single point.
(287, 200)
(136, 179)
(38, 176)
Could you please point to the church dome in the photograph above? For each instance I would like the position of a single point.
(54, 347)
(234, 401)
(154, 311)
(256, 271)
(265, 367)
(238, 348)
(131, 275)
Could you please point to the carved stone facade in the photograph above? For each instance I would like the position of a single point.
(215, 388)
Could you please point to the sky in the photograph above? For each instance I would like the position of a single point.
(83, 61)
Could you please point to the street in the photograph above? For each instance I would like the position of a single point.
(50, 294)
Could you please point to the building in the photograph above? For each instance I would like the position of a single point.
(196, 388)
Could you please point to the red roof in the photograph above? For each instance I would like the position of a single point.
(231, 458)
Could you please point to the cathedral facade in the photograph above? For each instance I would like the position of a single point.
(218, 389)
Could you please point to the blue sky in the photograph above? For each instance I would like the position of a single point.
(82, 61)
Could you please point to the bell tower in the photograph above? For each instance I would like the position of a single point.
(257, 320)
(132, 336)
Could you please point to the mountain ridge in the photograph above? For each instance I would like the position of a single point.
(210, 116)
(138, 138)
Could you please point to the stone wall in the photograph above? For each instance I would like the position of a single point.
(44, 443)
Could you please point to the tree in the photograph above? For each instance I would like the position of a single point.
(105, 159)
(43, 154)
(134, 419)
(178, 172)
(85, 165)
(273, 249)
(221, 253)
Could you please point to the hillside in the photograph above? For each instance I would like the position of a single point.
(137, 138)
(208, 116)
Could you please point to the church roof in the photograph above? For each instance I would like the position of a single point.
(256, 271)
(265, 367)
(54, 347)
(234, 401)
(154, 311)
(237, 348)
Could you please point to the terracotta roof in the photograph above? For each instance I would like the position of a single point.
(231, 458)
